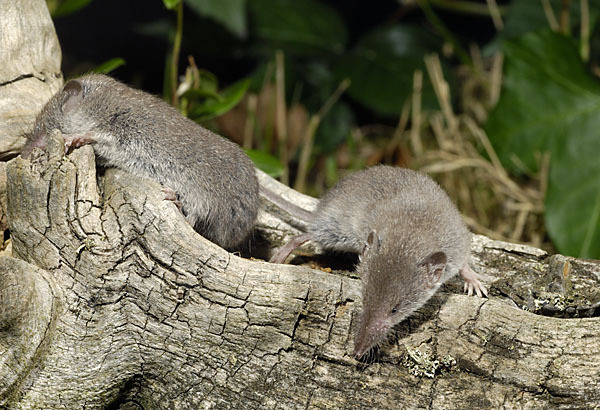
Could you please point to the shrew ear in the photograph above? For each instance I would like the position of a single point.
(434, 266)
(373, 243)
(74, 91)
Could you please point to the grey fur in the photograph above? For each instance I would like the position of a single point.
(132, 130)
(409, 234)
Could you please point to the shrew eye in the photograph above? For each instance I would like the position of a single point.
(395, 309)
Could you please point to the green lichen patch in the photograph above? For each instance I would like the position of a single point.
(424, 364)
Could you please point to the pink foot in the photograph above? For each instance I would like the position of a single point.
(78, 140)
(289, 247)
(170, 195)
(472, 282)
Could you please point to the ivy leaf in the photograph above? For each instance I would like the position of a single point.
(551, 103)
(382, 64)
(525, 16)
(229, 13)
(266, 162)
(213, 107)
(110, 65)
(305, 27)
(69, 7)
(171, 4)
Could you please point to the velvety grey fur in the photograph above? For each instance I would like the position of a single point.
(132, 130)
(413, 219)
(409, 234)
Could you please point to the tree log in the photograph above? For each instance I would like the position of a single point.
(114, 301)
(29, 75)
(30, 70)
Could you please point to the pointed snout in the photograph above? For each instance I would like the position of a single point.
(370, 332)
(360, 350)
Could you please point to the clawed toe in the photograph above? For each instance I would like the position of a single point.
(472, 282)
(170, 195)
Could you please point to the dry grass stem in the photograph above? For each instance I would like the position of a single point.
(309, 136)
(544, 170)
(490, 200)
(476, 58)
(550, 16)
(307, 145)
(402, 122)
(496, 79)
(281, 114)
(250, 122)
(565, 12)
(415, 137)
(442, 90)
(585, 30)
(437, 123)
(495, 13)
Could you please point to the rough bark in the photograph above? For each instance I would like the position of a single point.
(29, 75)
(30, 70)
(114, 301)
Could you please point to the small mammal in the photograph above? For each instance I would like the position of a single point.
(410, 238)
(213, 179)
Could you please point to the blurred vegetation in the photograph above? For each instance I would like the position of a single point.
(498, 100)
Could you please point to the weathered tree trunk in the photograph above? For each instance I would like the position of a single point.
(30, 70)
(29, 75)
(114, 300)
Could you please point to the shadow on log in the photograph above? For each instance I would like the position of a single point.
(123, 305)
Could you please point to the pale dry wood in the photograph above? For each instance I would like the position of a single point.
(30, 70)
(3, 199)
(112, 300)
(132, 307)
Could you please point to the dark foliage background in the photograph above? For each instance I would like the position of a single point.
(499, 99)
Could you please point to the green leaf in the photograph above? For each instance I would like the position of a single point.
(573, 200)
(334, 128)
(207, 88)
(199, 93)
(171, 4)
(110, 65)
(305, 27)
(69, 6)
(266, 162)
(229, 13)
(525, 16)
(550, 102)
(230, 97)
(381, 68)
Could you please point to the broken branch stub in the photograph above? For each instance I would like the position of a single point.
(30, 70)
(122, 303)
